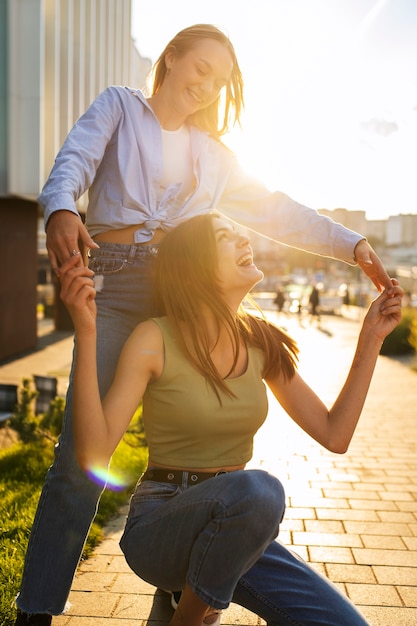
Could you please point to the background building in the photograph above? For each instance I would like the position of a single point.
(55, 57)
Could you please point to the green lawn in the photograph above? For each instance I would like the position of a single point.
(22, 472)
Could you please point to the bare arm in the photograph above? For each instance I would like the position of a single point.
(334, 428)
(99, 426)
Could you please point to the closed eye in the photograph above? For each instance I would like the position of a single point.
(226, 234)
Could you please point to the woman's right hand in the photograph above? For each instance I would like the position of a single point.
(64, 232)
(78, 293)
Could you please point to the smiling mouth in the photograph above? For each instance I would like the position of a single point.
(245, 261)
(195, 97)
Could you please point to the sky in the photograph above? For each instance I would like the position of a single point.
(330, 91)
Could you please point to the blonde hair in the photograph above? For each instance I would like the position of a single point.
(207, 119)
(186, 282)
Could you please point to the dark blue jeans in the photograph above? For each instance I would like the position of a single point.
(69, 500)
(219, 537)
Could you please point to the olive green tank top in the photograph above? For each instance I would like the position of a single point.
(184, 422)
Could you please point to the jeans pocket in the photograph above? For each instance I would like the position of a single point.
(106, 265)
(148, 497)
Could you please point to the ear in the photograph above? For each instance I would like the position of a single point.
(169, 58)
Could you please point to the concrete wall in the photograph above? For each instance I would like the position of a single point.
(55, 57)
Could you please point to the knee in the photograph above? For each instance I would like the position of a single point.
(263, 497)
(267, 492)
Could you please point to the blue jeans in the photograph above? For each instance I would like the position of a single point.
(219, 537)
(69, 500)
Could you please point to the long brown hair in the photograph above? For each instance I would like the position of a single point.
(207, 119)
(186, 282)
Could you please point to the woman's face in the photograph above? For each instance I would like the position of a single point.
(196, 78)
(237, 273)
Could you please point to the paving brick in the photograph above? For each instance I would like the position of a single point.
(326, 539)
(369, 486)
(324, 526)
(398, 516)
(397, 496)
(407, 505)
(292, 512)
(390, 616)
(330, 554)
(109, 546)
(118, 564)
(375, 505)
(100, 563)
(347, 514)
(94, 580)
(300, 550)
(352, 493)
(131, 584)
(380, 528)
(379, 595)
(143, 606)
(399, 575)
(408, 595)
(319, 502)
(288, 525)
(92, 603)
(387, 542)
(384, 557)
(338, 572)
(411, 543)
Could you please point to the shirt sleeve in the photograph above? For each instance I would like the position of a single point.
(81, 154)
(279, 217)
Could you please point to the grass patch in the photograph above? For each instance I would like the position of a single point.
(22, 473)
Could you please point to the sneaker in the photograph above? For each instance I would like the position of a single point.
(34, 619)
(175, 598)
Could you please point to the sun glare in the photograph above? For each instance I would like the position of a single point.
(331, 95)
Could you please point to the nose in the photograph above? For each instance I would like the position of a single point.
(243, 240)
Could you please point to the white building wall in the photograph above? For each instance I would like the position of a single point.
(409, 229)
(24, 79)
(394, 230)
(377, 229)
(63, 53)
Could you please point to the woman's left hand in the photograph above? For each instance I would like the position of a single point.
(384, 314)
(372, 266)
(78, 294)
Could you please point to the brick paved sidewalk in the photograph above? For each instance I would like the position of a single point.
(354, 517)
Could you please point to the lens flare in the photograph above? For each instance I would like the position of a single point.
(105, 478)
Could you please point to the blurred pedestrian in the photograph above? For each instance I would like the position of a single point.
(280, 299)
(314, 304)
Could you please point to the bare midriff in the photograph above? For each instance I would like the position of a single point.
(127, 235)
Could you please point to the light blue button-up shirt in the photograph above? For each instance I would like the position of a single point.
(115, 151)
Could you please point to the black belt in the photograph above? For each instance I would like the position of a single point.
(178, 477)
